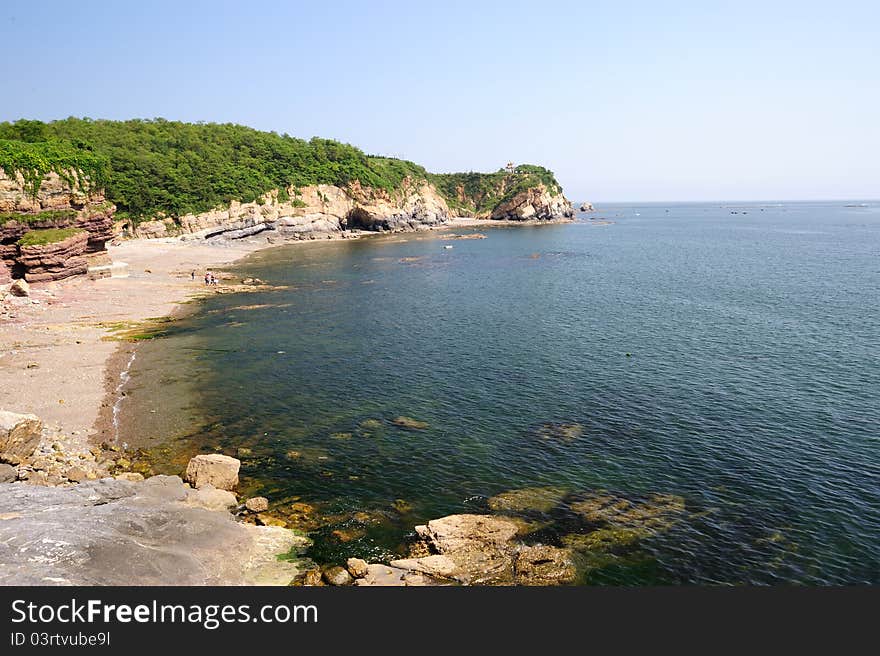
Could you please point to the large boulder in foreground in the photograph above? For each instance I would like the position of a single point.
(213, 469)
(114, 532)
(19, 436)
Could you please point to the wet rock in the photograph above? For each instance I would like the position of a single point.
(402, 506)
(544, 565)
(8, 473)
(20, 288)
(541, 499)
(302, 516)
(357, 567)
(214, 469)
(410, 423)
(268, 520)
(346, 535)
(19, 436)
(313, 578)
(337, 576)
(257, 504)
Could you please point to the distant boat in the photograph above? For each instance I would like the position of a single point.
(447, 247)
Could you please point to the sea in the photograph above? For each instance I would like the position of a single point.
(706, 374)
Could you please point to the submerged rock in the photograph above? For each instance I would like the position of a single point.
(604, 539)
(654, 512)
(561, 431)
(541, 499)
(410, 423)
(621, 522)
(214, 469)
(543, 565)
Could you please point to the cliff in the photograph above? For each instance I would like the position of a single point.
(311, 212)
(521, 193)
(53, 230)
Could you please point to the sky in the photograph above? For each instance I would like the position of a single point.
(625, 101)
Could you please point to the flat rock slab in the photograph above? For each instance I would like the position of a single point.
(116, 532)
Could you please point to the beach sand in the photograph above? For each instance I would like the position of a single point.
(54, 348)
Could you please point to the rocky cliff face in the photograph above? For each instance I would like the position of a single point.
(312, 212)
(56, 209)
(536, 203)
(319, 211)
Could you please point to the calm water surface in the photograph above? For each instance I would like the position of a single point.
(730, 359)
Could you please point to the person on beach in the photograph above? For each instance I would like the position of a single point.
(193, 274)
(207, 277)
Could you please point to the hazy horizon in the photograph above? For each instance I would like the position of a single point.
(625, 102)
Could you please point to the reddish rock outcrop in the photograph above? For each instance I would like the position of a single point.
(55, 261)
(56, 206)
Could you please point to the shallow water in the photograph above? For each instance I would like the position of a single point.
(730, 359)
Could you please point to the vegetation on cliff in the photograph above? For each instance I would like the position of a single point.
(81, 168)
(48, 236)
(482, 192)
(174, 168)
(46, 216)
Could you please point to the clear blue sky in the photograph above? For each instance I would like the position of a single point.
(624, 100)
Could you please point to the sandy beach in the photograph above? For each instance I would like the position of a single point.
(56, 347)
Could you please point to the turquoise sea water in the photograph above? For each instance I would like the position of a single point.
(731, 359)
